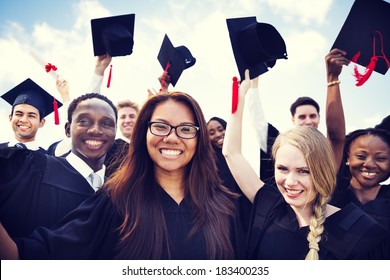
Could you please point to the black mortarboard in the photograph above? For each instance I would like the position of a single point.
(256, 45)
(28, 92)
(179, 59)
(113, 35)
(367, 30)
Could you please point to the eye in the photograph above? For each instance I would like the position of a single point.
(186, 129)
(108, 124)
(381, 159)
(160, 126)
(304, 171)
(360, 156)
(281, 168)
(84, 122)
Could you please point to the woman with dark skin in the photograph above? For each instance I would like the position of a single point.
(367, 165)
(165, 202)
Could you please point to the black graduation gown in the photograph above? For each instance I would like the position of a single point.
(90, 232)
(5, 145)
(37, 190)
(267, 171)
(349, 233)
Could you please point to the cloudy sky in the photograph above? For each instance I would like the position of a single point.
(60, 32)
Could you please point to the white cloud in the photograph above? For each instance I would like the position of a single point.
(304, 11)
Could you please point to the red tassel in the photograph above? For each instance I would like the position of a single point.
(49, 67)
(361, 78)
(164, 76)
(56, 114)
(109, 77)
(234, 95)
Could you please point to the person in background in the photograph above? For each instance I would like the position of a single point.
(294, 220)
(165, 202)
(38, 189)
(30, 105)
(306, 111)
(216, 128)
(367, 167)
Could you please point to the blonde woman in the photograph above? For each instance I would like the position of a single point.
(292, 220)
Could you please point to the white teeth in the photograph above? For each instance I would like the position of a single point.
(366, 173)
(93, 142)
(170, 153)
(294, 192)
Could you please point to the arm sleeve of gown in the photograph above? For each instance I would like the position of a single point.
(257, 117)
(88, 232)
(96, 83)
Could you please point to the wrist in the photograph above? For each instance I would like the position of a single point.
(334, 82)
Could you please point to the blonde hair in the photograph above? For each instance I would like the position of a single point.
(319, 157)
(127, 103)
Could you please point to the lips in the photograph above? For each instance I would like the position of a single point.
(293, 193)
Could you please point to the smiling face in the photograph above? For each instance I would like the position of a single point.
(126, 119)
(92, 131)
(25, 122)
(292, 176)
(171, 153)
(216, 133)
(306, 115)
(369, 161)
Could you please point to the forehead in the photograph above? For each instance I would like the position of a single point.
(370, 142)
(174, 112)
(290, 155)
(214, 124)
(126, 110)
(306, 110)
(94, 106)
(25, 108)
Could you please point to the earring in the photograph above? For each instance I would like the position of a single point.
(347, 163)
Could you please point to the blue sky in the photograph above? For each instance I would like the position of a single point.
(60, 32)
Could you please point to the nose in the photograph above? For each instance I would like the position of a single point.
(172, 136)
(291, 179)
(95, 129)
(369, 162)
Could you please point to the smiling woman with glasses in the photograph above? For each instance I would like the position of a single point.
(166, 201)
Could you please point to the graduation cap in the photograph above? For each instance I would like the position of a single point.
(365, 36)
(28, 92)
(256, 45)
(174, 59)
(113, 35)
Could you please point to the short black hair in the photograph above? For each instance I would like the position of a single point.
(73, 105)
(304, 100)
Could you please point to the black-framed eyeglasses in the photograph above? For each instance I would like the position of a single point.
(184, 131)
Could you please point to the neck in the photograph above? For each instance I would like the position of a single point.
(365, 195)
(172, 183)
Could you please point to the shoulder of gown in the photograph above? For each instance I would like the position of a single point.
(88, 232)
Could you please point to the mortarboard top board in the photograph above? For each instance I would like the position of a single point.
(113, 35)
(28, 92)
(256, 45)
(359, 33)
(179, 59)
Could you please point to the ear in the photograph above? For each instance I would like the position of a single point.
(67, 130)
(42, 123)
(10, 117)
